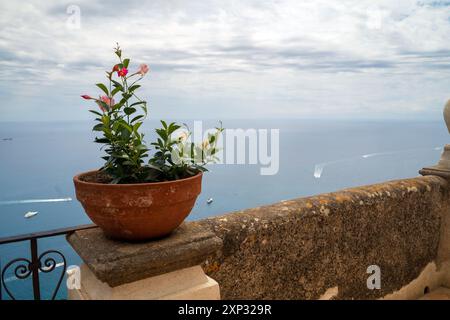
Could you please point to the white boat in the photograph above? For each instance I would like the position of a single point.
(30, 214)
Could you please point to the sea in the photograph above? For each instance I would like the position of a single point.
(39, 159)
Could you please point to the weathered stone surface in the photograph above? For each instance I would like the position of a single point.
(439, 170)
(300, 248)
(117, 263)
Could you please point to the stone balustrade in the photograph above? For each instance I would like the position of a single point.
(307, 248)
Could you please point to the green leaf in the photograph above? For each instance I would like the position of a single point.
(162, 133)
(134, 87)
(126, 62)
(122, 156)
(129, 110)
(118, 105)
(136, 126)
(102, 140)
(126, 96)
(155, 167)
(172, 128)
(103, 87)
(137, 103)
(98, 127)
(137, 118)
(115, 90)
(96, 112)
(142, 147)
(105, 120)
(117, 84)
(123, 124)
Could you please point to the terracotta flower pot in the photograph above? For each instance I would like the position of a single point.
(138, 211)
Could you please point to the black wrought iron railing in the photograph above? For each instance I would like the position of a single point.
(45, 262)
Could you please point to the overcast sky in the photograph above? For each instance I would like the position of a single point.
(230, 59)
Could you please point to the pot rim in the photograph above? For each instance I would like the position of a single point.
(77, 179)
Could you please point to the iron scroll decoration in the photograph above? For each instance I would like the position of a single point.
(38, 264)
(50, 264)
(45, 263)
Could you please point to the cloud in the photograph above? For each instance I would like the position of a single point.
(311, 58)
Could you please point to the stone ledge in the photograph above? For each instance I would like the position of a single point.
(118, 263)
(435, 171)
(300, 248)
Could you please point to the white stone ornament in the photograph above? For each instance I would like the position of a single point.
(447, 115)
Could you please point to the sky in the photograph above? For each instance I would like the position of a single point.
(330, 59)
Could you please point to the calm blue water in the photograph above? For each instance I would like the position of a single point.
(41, 159)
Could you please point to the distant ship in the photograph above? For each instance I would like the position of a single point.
(30, 214)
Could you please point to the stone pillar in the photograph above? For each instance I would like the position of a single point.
(442, 169)
(166, 269)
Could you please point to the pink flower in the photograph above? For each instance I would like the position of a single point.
(109, 101)
(143, 69)
(122, 72)
(85, 96)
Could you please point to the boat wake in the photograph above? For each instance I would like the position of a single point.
(319, 168)
(34, 201)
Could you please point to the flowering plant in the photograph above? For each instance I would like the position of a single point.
(119, 121)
